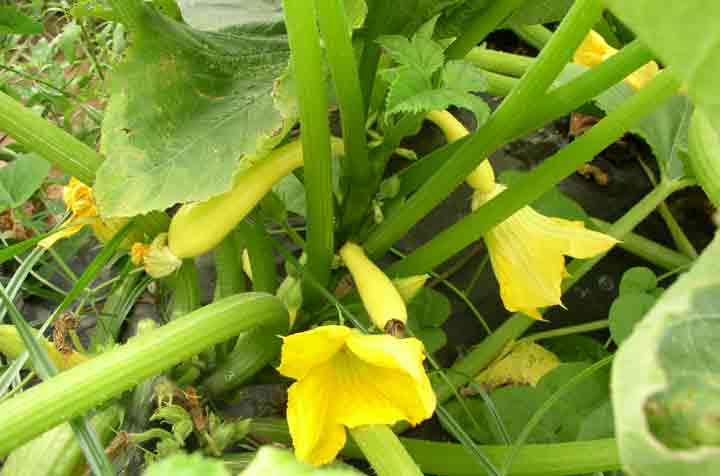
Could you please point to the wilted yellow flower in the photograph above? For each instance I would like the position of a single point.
(156, 258)
(594, 50)
(528, 250)
(138, 252)
(347, 379)
(79, 200)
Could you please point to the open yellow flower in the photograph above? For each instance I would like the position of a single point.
(594, 50)
(528, 250)
(79, 199)
(347, 379)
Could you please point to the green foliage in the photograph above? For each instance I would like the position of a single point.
(704, 156)
(412, 84)
(215, 15)
(684, 35)
(516, 405)
(665, 376)
(182, 94)
(20, 179)
(427, 312)
(276, 462)
(13, 21)
(187, 465)
(638, 294)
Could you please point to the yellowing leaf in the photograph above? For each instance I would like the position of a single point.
(526, 364)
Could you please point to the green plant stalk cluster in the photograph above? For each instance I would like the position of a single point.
(307, 65)
(76, 391)
(452, 459)
(536, 36)
(539, 77)
(341, 58)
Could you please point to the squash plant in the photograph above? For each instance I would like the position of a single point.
(226, 120)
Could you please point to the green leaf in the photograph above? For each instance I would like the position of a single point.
(276, 462)
(427, 312)
(666, 376)
(188, 110)
(638, 280)
(576, 348)
(704, 155)
(93, 8)
(429, 308)
(412, 85)
(187, 465)
(541, 11)
(214, 15)
(20, 179)
(626, 311)
(15, 22)
(683, 35)
(517, 404)
(463, 76)
(422, 55)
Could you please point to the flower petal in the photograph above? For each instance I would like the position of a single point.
(368, 394)
(317, 438)
(304, 351)
(529, 265)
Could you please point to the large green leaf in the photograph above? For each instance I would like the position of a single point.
(666, 379)
(684, 35)
(20, 179)
(218, 14)
(188, 110)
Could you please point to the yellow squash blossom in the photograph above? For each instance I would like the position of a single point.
(346, 379)
(528, 250)
(594, 50)
(79, 200)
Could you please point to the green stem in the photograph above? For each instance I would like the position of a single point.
(498, 84)
(76, 391)
(481, 26)
(678, 234)
(307, 65)
(451, 459)
(569, 330)
(230, 278)
(536, 36)
(482, 355)
(570, 96)
(186, 290)
(649, 250)
(382, 448)
(539, 77)
(341, 58)
(540, 180)
(262, 258)
(500, 61)
(49, 141)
